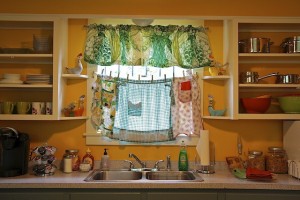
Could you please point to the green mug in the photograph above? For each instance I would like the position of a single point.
(8, 107)
(23, 107)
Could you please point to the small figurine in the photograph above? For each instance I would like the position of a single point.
(211, 109)
(75, 109)
(78, 67)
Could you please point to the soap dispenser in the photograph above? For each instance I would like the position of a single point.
(183, 164)
(105, 161)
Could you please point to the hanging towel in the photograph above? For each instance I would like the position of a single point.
(186, 115)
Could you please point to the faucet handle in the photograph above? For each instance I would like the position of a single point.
(156, 165)
(131, 165)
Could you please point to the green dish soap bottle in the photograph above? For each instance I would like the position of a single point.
(183, 164)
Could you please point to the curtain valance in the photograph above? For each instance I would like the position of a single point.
(158, 46)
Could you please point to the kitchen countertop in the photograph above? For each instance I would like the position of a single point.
(222, 179)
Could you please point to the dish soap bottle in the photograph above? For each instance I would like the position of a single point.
(105, 161)
(183, 164)
(88, 158)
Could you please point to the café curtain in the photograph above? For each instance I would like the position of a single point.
(157, 46)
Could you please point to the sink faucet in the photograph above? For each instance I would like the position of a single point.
(143, 164)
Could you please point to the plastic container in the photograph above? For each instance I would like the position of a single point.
(105, 163)
(276, 160)
(256, 160)
(88, 158)
(183, 164)
(67, 163)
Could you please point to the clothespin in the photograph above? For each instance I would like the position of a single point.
(151, 78)
(139, 77)
(165, 78)
(183, 73)
(127, 77)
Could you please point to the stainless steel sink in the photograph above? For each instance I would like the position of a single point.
(173, 175)
(99, 175)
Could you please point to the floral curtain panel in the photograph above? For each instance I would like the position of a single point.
(158, 46)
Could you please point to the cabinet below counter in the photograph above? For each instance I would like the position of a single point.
(219, 186)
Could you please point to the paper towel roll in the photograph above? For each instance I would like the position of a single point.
(202, 148)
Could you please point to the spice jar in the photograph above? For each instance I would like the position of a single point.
(256, 160)
(73, 153)
(276, 160)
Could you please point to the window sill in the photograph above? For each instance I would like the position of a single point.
(98, 139)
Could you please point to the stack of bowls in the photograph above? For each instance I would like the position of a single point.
(11, 79)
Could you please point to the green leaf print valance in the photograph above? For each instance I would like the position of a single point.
(158, 46)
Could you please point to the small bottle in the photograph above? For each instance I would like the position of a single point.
(105, 161)
(88, 158)
(183, 164)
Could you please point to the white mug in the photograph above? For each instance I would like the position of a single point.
(38, 108)
(48, 108)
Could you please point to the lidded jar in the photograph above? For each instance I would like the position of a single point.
(276, 160)
(256, 160)
(73, 153)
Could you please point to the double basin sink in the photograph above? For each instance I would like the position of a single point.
(181, 176)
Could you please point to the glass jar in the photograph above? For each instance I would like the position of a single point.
(276, 160)
(73, 153)
(256, 160)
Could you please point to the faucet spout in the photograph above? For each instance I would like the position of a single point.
(143, 164)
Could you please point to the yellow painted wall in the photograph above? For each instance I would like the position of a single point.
(256, 134)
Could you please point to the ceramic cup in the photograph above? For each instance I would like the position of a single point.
(38, 108)
(8, 107)
(48, 108)
(23, 107)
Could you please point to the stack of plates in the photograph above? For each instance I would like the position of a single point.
(38, 79)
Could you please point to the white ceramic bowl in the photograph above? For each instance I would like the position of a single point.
(12, 76)
(85, 167)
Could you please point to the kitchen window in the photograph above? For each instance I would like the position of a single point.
(147, 68)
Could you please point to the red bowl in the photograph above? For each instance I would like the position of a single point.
(256, 105)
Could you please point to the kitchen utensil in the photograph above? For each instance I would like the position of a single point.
(249, 77)
(287, 79)
(256, 105)
(291, 44)
(255, 45)
(289, 104)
